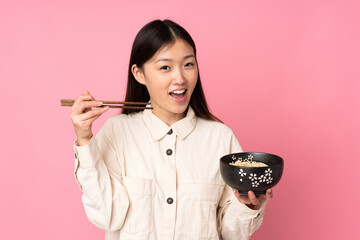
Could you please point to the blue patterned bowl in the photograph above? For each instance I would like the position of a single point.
(256, 179)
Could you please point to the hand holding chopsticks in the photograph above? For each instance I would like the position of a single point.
(85, 110)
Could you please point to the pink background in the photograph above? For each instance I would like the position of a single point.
(284, 75)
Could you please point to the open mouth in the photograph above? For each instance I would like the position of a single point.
(178, 94)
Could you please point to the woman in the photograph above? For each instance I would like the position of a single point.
(154, 174)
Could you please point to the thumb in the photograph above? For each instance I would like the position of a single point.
(86, 91)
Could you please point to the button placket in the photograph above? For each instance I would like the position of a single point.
(170, 204)
(170, 153)
(170, 187)
(169, 146)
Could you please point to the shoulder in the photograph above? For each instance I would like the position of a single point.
(120, 125)
(219, 134)
(213, 124)
(122, 118)
(214, 127)
(122, 121)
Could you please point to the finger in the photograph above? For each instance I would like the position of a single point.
(253, 199)
(236, 192)
(93, 113)
(269, 194)
(84, 96)
(86, 123)
(90, 121)
(86, 92)
(81, 98)
(86, 106)
(242, 198)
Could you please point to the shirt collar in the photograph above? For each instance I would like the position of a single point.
(159, 129)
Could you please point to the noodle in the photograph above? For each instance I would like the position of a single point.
(248, 164)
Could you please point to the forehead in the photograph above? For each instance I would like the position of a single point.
(177, 49)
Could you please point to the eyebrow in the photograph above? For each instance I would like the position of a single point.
(170, 60)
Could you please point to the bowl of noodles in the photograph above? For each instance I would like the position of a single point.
(251, 171)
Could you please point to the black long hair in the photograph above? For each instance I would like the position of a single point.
(148, 41)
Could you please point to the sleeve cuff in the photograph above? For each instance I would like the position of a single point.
(239, 209)
(87, 155)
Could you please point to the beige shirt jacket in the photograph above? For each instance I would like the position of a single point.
(142, 179)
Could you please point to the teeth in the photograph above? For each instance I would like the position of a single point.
(179, 91)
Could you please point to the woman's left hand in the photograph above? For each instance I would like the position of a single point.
(251, 200)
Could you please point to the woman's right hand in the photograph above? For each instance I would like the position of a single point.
(82, 116)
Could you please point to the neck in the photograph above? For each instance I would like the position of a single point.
(169, 118)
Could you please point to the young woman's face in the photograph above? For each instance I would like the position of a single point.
(170, 77)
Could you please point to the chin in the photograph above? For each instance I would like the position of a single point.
(180, 109)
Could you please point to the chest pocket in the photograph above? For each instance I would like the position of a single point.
(203, 200)
(139, 218)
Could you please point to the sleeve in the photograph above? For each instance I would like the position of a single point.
(235, 220)
(98, 174)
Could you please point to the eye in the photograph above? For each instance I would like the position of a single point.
(165, 68)
(189, 64)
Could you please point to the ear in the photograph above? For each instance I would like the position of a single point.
(138, 74)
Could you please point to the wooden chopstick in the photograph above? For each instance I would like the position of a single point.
(110, 104)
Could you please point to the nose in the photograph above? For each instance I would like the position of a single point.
(179, 77)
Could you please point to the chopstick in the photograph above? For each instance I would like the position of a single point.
(110, 104)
